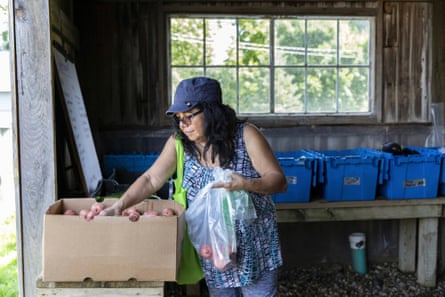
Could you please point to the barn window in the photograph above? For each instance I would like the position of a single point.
(279, 65)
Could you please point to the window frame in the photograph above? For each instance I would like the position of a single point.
(291, 119)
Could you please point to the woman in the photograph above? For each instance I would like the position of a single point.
(213, 137)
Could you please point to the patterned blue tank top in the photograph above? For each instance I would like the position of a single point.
(258, 241)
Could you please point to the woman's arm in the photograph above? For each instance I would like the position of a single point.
(149, 182)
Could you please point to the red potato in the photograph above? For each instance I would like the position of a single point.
(126, 212)
(168, 212)
(97, 207)
(70, 212)
(219, 263)
(90, 215)
(83, 213)
(132, 213)
(205, 251)
(134, 216)
(151, 213)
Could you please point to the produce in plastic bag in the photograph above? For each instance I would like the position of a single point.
(211, 220)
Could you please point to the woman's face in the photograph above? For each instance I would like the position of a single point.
(191, 123)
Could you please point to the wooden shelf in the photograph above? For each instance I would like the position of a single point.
(380, 209)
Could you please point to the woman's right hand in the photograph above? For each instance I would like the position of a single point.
(113, 210)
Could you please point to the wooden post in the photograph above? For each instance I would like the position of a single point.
(407, 245)
(33, 124)
(427, 257)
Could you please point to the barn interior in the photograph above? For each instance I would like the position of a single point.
(121, 52)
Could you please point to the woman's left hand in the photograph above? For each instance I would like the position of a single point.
(235, 184)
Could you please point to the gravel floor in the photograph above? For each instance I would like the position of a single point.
(335, 280)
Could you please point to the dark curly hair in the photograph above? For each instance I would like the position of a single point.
(220, 123)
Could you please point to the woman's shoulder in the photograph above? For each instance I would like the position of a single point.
(249, 128)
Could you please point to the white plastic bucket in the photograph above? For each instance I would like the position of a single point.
(357, 242)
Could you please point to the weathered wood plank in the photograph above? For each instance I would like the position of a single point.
(102, 292)
(359, 210)
(407, 245)
(33, 95)
(100, 289)
(63, 30)
(415, 61)
(359, 213)
(427, 253)
(99, 284)
(320, 203)
(407, 61)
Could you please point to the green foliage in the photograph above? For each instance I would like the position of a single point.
(187, 41)
(4, 41)
(253, 41)
(8, 259)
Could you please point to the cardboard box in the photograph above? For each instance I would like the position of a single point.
(111, 248)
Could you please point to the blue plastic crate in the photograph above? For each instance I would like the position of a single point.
(136, 163)
(351, 175)
(299, 168)
(412, 176)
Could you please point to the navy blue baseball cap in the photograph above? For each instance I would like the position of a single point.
(192, 91)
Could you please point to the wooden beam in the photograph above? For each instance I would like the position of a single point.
(101, 292)
(100, 289)
(316, 211)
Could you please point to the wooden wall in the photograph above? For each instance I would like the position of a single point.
(122, 62)
(407, 58)
(123, 67)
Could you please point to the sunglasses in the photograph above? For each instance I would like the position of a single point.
(186, 120)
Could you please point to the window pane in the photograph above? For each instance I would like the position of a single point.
(321, 42)
(227, 79)
(353, 90)
(289, 42)
(254, 42)
(187, 46)
(221, 42)
(254, 90)
(321, 84)
(289, 90)
(354, 42)
(178, 74)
